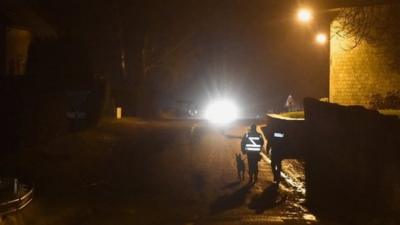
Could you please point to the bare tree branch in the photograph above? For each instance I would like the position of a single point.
(376, 25)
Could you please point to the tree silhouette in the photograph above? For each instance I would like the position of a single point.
(377, 25)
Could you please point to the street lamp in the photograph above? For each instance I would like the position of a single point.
(321, 38)
(304, 15)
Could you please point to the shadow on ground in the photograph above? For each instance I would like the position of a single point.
(198, 182)
(268, 199)
(231, 185)
(230, 201)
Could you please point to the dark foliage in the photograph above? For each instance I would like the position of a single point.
(390, 101)
(377, 25)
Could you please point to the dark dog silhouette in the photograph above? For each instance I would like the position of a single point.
(240, 166)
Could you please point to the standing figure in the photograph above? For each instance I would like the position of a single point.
(275, 147)
(290, 104)
(251, 145)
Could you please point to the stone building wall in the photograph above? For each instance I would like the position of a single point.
(358, 73)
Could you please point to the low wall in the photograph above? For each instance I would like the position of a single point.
(291, 145)
(352, 160)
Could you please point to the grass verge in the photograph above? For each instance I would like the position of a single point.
(294, 115)
(390, 112)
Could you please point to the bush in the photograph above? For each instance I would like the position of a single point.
(390, 101)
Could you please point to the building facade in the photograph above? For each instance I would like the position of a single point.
(360, 73)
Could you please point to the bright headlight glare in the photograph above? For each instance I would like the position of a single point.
(221, 112)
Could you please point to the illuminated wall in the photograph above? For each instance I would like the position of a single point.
(358, 73)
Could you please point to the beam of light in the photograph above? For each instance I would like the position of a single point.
(221, 112)
(304, 15)
(321, 38)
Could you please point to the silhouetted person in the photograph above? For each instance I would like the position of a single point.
(290, 104)
(251, 145)
(274, 146)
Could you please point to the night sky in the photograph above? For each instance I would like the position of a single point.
(252, 51)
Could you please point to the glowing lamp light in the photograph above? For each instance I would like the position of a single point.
(221, 112)
(304, 15)
(119, 113)
(321, 38)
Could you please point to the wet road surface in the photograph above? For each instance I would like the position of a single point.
(141, 172)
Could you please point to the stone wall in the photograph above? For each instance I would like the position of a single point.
(352, 160)
(358, 73)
